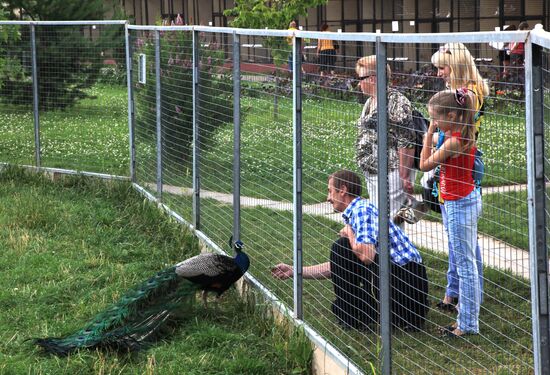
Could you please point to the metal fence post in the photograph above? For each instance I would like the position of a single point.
(159, 114)
(35, 98)
(196, 150)
(131, 124)
(383, 207)
(538, 256)
(297, 176)
(236, 137)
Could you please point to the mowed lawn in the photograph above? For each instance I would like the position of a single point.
(71, 248)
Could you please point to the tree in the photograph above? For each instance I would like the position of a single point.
(57, 10)
(8, 34)
(69, 59)
(274, 14)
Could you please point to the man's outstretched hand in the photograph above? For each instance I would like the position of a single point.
(282, 271)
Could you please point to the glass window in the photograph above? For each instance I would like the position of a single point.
(533, 8)
(489, 8)
(443, 9)
(512, 8)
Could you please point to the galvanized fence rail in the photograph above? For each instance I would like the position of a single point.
(231, 144)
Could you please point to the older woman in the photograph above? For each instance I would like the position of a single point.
(401, 138)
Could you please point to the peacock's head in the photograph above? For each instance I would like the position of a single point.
(238, 246)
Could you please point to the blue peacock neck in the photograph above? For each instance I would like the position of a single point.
(242, 261)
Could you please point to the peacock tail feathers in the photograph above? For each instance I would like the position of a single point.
(146, 312)
(134, 320)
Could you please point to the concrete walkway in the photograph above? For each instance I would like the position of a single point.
(427, 234)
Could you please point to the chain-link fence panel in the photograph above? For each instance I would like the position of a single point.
(146, 103)
(73, 76)
(504, 322)
(16, 110)
(325, 114)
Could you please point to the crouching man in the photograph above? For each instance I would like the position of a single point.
(354, 266)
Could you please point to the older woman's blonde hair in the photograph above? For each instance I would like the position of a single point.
(368, 63)
(462, 65)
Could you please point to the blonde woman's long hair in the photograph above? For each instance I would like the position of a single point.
(461, 102)
(463, 67)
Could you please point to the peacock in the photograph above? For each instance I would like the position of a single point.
(145, 312)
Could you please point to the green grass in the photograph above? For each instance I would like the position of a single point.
(92, 136)
(504, 346)
(329, 134)
(72, 247)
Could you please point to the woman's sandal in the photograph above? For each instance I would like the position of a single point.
(452, 335)
(448, 307)
(449, 331)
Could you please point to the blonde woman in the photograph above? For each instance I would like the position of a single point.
(457, 67)
(401, 138)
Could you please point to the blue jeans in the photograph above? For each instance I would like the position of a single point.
(462, 217)
(452, 275)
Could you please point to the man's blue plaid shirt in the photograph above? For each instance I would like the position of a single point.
(363, 218)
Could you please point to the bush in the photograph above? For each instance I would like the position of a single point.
(112, 75)
(215, 98)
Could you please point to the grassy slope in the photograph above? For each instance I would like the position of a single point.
(72, 248)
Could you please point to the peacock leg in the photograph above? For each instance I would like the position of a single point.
(204, 301)
(217, 304)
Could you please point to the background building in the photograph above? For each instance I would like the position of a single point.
(365, 15)
(402, 16)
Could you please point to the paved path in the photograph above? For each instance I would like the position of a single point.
(426, 234)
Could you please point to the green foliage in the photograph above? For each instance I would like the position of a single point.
(277, 14)
(215, 92)
(69, 58)
(7, 34)
(58, 10)
(112, 75)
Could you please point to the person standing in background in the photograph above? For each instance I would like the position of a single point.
(289, 40)
(326, 53)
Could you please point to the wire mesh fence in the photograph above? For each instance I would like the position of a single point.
(221, 119)
(332, 99)
(63, 86)
(17, 117)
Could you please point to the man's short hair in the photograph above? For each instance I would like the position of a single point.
(348, 178)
